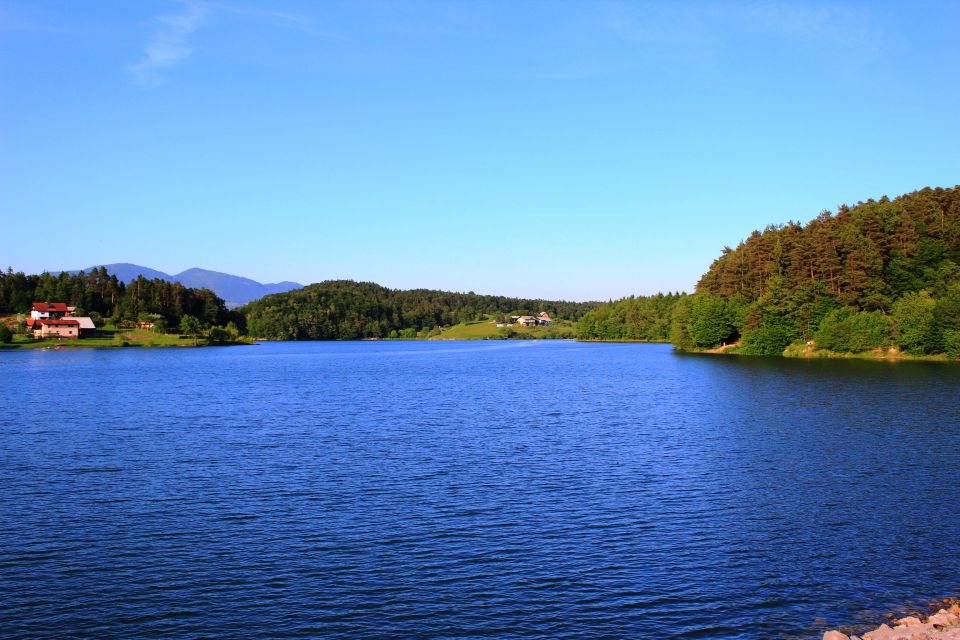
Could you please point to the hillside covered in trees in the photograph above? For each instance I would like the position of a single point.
(879, 274)
(640, 318)
(348, 310)
(882, 273)
(100, 294)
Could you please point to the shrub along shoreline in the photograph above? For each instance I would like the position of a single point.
(813, 352)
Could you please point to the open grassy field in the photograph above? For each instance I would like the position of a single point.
(109, 339)
(488, 330)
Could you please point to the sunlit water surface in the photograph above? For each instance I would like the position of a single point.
(483, 489)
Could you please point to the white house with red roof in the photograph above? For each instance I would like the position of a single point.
(56, 328)
(56, 320)
(41, 310)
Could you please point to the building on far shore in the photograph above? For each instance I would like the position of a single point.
(46, 310)
(86, 324)
(56, 320)
(543, 320)
(56, 328)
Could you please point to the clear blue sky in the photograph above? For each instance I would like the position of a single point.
(558, 149)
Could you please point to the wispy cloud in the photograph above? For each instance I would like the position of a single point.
(835, 24)
(281, 19)
(705, 27)
(170, 43)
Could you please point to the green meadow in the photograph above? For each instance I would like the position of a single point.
(488, 330)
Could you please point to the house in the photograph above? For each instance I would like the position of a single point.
(50, 320)
(145, 325)
(543, 320)
(42, 310)
(56, 328)
(86, 324)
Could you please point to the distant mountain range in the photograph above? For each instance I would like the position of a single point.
(235, 290)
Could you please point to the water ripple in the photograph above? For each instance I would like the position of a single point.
(521, 490)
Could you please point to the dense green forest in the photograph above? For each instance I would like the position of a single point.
(348, 310)
(101, 295)
(642, 318)
(879, 274)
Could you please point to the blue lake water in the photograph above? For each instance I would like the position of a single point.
(473, 489)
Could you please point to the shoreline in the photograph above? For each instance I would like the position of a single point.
(942, 624)
(797, 352)
(50, 345)
(623, 341)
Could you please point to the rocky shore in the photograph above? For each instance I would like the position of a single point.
(942, 625)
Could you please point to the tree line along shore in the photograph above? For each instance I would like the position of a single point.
(878, 279)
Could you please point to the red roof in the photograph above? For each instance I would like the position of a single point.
(48, 307)
(65, 322)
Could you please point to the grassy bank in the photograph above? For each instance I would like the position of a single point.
(811, 352)
(891, 354)
(488, 330)
(117, 338)
(625, 341)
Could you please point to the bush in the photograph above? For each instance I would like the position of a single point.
(769, 329)
(219, 335)
(711, 322)
(870, 331)
(229, 333)
(834, 331)
(847, 331)
(769, 339)
(6, 337)
(914, 315)
(951, 339)
(679, 327)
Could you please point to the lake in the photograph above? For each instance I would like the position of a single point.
(471, 489)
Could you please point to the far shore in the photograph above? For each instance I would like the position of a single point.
(126, 341)
(624, 341)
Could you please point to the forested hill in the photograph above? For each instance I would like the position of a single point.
(348, 310)
(640, 318)
(866, 256)
(882, 273)
(103, 296)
